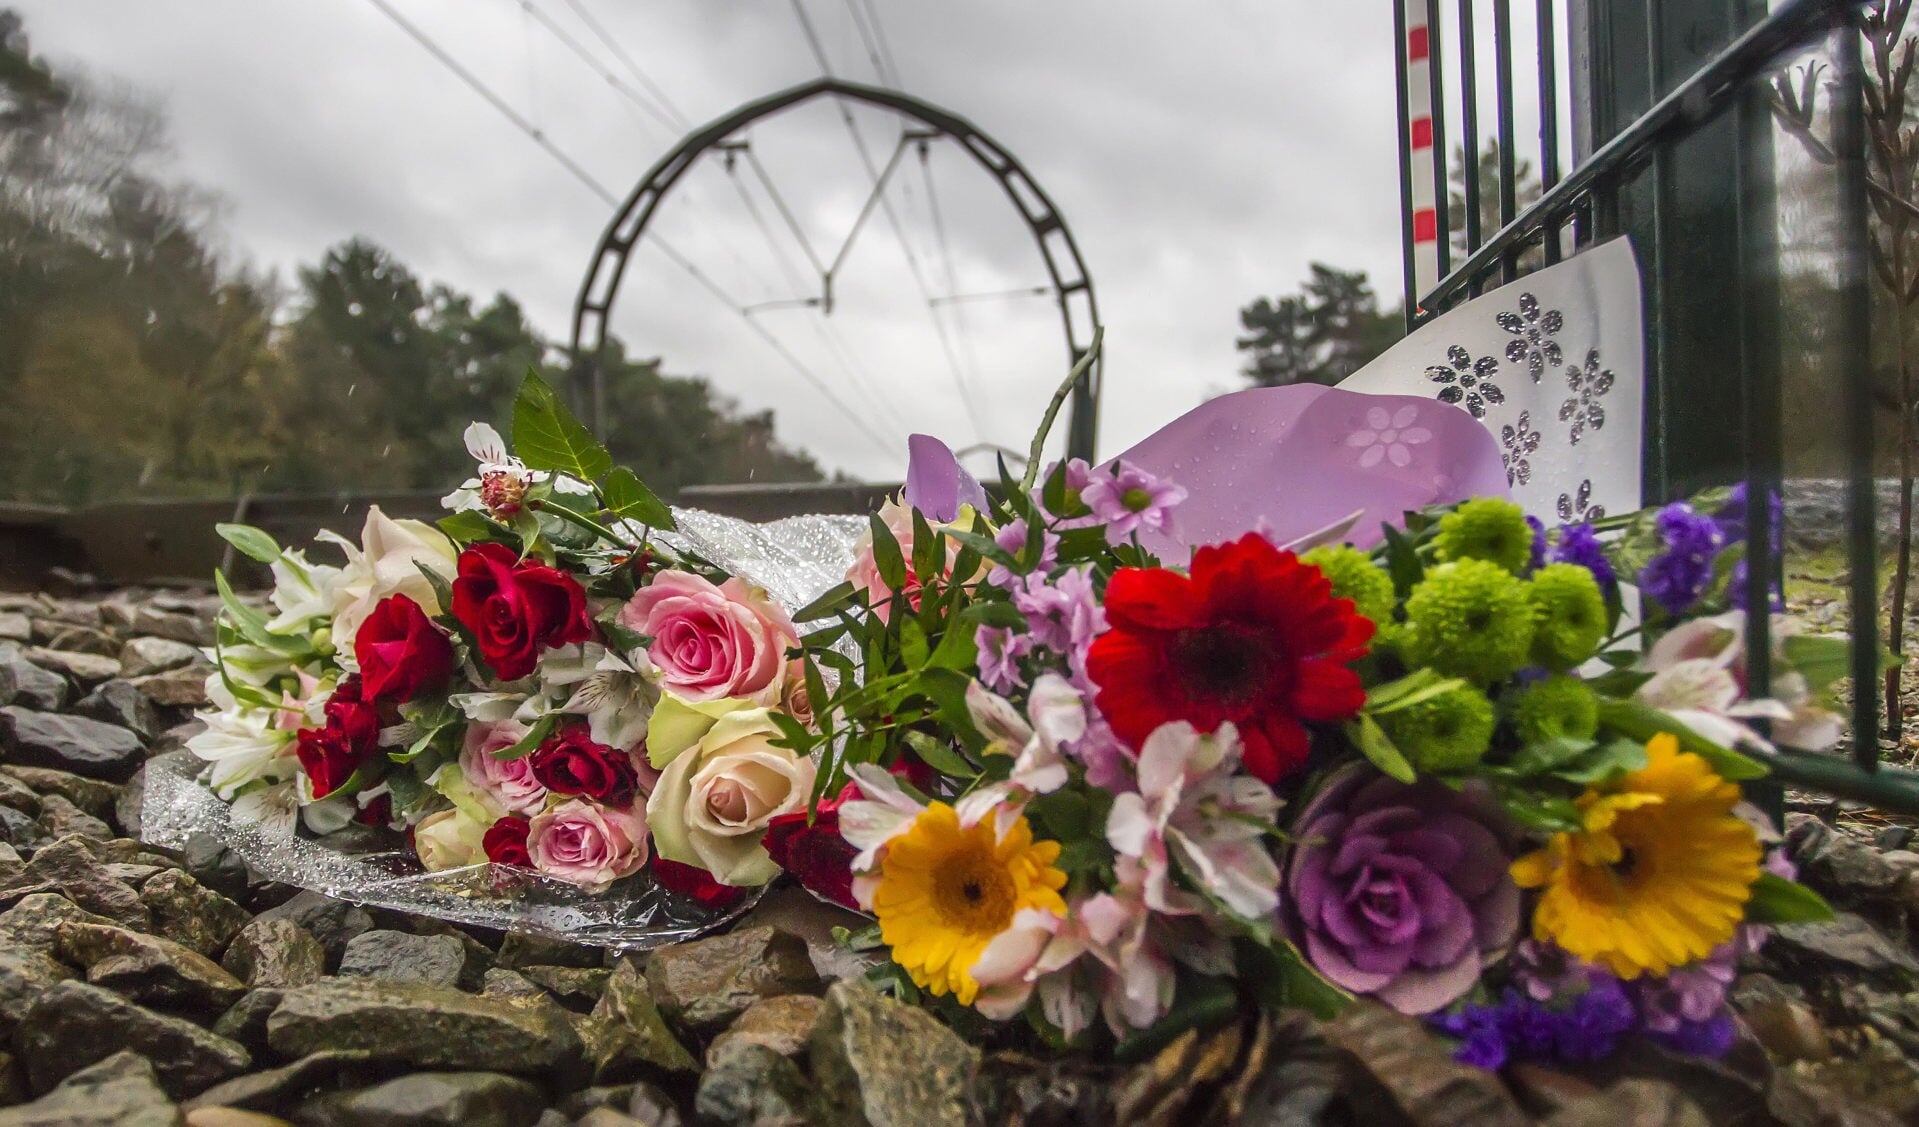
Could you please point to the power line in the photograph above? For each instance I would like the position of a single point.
(872, 48)
(683, 123)
(899, 232)
(946, 257)
(605, 194)
(879, 33)
(613, 80)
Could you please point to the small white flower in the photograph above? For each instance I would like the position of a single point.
(302, 591)
(241, 745)
(1389, 436)
(273, 808)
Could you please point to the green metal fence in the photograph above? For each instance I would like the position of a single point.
(1674, 145)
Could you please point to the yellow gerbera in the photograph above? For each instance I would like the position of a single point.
(1658, 877)
(945, 891)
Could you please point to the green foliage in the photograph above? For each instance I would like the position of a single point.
(546, 436)
(1322, 334)
(1779, 901)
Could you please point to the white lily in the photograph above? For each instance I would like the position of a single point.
(302, 591)
(242, 745)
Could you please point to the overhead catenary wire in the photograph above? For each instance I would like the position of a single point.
(681, 122)
(585, 177)
(574, 45)
(966, 397)
(880, 69)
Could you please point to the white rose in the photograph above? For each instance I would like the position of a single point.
(450, 840)
(714, 800)
(387, 562)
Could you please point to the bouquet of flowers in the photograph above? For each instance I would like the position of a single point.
(1117, 795)
(539, 681)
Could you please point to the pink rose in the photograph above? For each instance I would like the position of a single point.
(712, 643)
(584, 843)
(509, 780)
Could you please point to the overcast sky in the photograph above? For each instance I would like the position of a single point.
(1202, 152)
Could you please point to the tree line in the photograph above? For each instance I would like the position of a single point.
(136, 359)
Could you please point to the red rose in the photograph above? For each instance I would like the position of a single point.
(401, 653)
(353, 713)
(329, 757)
(1252, 637)
(569, 762)
(817, 856)
(694, 883)
(378, 812)
(515, 608)
(505, 842)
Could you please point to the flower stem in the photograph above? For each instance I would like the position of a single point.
(1052, 409)
(584, 521)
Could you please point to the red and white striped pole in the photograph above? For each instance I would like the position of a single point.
(1417, 61)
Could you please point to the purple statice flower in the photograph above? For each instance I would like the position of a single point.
(1579, 544)
(1013, 539)
(1108, 762)
(1547, 970)
(1127, 499)
(1586, 1027)
(1732, 519)
(1538, 559)
(1691, 995)
(1000, 649)
(1063, 615)
(1678, 575)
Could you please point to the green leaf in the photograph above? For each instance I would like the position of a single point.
(442, 590)
(828, 604)
(1402, 561)
(1417, 687)
(467, 526)
(252, 624)
(1642, 722)
(529, 743)
(1280, 976)
(914, 649)
(1614, 757)
(793, 734)
(928, 550)
(958, 647)
(1823, 660)
(886, 554)
(1376, 747)
(628, 498)
(1539, 812)
(546, 436)
(409, 793)
(250, 541)
(1546, 755)
(1202, 1002)
(984, 546)
(1776, 900)
(940, 756)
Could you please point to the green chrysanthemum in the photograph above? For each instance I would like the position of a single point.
(1355, 576)
(1470, 619)
(1555, 708)
(1569, 614)
(1449, 732)
(1486, 528)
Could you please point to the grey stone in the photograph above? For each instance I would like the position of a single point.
(536, 951)
(69, 865)
(274, 1088)
(147, 968)
(193, 629)
(34, 923)
(1846, 943)
(449, 1099)
(582, 985)
(783, 1024)
(653, 1107)
(509, 984)
(397, 956)
(130, 802)
(64, 655)
(704, 984)
(792, 909)
(333, 922)
(69, 743)
(141, 656)
(121, 702)
(1637, 1102)
(25, 974)
(427, 1026)
(61, 818)
(216, 866)
(191, 914)
(1789, 1031)
(245, 1022)
(876, 1061)
(119, 1091)
(91, 795)
(20, 830)
(275, 951)
(1397, 1058)
(74, 1024)
(748, 1083)
(625, 1034)
(26, 684)
(18, 795)
(185, 687)
(15, 627)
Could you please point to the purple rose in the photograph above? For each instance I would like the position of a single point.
(1396, 890)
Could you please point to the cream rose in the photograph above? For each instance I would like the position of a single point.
(387, 561)
(450, 840)
(715, 798)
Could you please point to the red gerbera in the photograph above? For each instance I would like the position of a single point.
(1252, 636)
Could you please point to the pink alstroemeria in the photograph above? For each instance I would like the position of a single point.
(1058, 717)
(881, 813)
(1699, 677)
(1140, 978)
(1035, 953)
(1194, 806)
